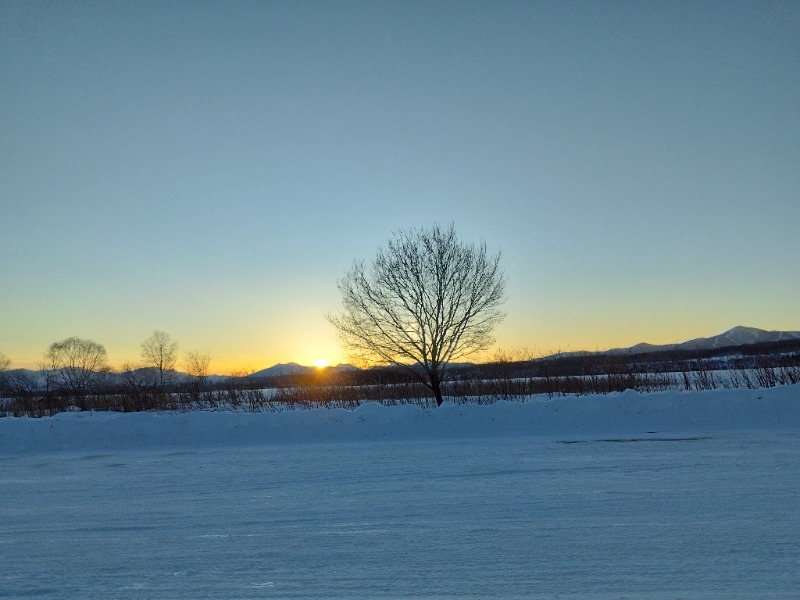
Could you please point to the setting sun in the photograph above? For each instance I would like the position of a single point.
(321, 363)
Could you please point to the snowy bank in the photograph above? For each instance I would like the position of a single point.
(629, 413)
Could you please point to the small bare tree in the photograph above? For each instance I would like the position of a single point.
(160, 351)
(75, 365)
(5, 362)
(426, 300)
(196, 364)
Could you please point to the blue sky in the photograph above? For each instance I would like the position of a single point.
(211, 168)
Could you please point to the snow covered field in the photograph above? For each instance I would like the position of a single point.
(674, 495)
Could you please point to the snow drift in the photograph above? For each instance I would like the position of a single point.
(624, 413)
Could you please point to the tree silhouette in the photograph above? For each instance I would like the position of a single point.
(160, 352)
(75, 365)
(426, 300)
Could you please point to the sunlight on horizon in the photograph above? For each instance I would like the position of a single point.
(532, 340)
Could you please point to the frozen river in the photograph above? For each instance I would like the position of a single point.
(692, 516)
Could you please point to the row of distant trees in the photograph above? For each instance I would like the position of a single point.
(511, 375)
(78, 366)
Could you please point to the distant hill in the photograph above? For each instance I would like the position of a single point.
(293, 368)
(282, 369)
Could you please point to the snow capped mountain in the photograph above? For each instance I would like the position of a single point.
(740, 336)
(737, 336)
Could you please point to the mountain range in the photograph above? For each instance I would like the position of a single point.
(737, 336)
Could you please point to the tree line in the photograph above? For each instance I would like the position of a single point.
(75, 369)
(514, 376)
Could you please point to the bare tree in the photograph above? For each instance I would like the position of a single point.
(75, 364)
(5, 362)
(426, 300)
(160, 351)
(197, 363)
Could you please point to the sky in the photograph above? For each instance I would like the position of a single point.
(211, 169)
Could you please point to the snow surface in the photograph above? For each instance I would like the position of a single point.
(627, 412)
(672, 495)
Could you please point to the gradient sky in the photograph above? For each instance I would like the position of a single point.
(212, 168)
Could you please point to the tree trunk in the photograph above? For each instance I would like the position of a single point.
(436, 386)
